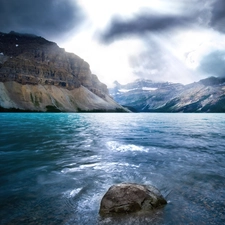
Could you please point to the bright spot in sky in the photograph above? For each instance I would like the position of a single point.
(109, 63)
(172, 56)
(161, 40)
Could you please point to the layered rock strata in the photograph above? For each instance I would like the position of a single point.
(37, 75)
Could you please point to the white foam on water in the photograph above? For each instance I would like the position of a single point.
(105, 166)
(88, 165)
(70, 170)
(72, 164)
(72, 193)
(116, 146)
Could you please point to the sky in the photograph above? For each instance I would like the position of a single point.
(161, 40)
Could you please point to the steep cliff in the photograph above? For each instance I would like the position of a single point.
(37, 75)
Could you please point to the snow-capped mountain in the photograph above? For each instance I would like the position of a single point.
(207, 95)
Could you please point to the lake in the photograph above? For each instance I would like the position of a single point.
(55, 167)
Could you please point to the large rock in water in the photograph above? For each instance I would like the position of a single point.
(130, 197)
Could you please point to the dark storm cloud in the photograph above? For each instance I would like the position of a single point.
(141, 25)
(214, 64)
(194, 13)
(218, 15)
(47, 18)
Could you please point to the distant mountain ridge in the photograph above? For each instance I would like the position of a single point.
(37, 75)
(207, 95)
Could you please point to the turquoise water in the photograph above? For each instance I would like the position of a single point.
(55, 168)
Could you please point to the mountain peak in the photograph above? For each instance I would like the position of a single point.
(207, 95)
(213, 81)
(35, 73)
(13, 33)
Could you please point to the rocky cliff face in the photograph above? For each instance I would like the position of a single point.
(207, 95)
(37, 75)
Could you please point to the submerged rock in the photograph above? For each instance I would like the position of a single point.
(130, 197)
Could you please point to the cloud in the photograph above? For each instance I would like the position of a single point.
(177, 45)
(142, 24)
(48, 18)
(218, 15)
(157, 63)
(213, 64)
(189, 14)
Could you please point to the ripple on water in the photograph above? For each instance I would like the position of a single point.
(57, 167)
(72, 193)
(118, 147)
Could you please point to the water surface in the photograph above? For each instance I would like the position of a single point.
(55, 168)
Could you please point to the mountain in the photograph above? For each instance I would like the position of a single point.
(207, 95)
(37, 75)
